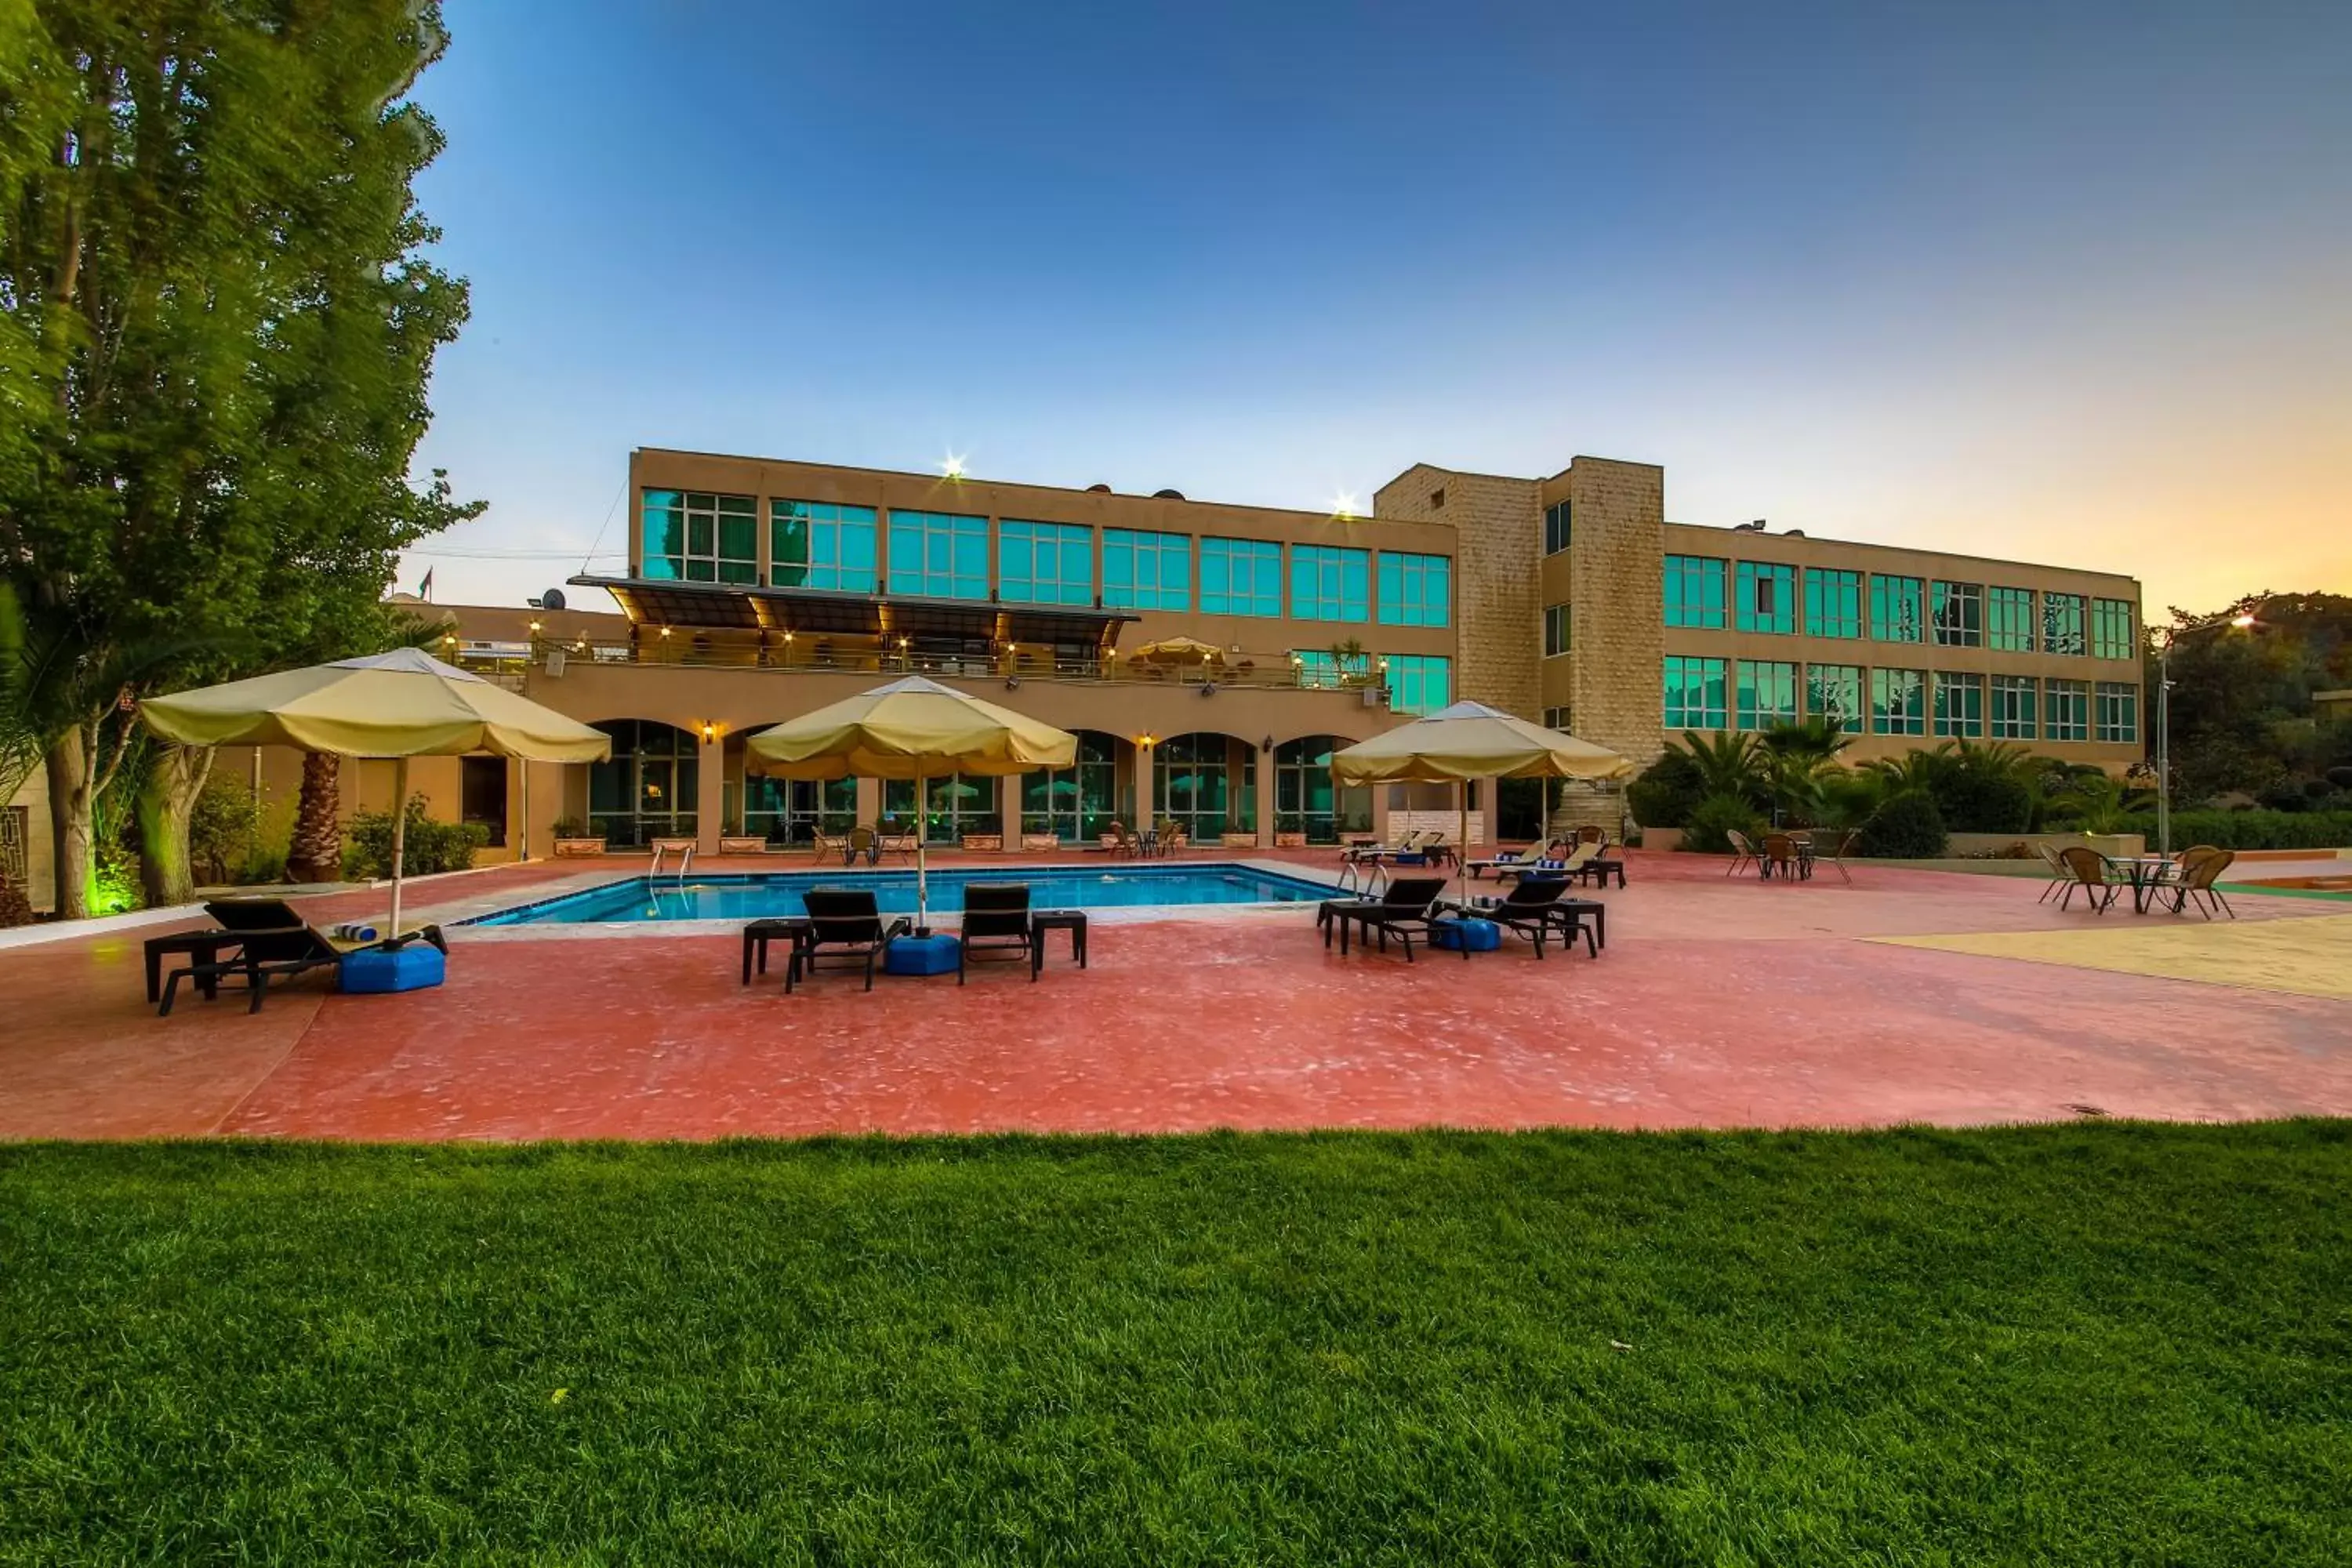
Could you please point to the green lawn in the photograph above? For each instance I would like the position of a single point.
(2093, 1343)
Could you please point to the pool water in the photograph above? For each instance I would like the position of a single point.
(757, 896)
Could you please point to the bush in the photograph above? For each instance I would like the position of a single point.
(430, 846)
(2285, 796)
(2252, 829)
(1908, 827)
(570, 828)
(1668, 791)
(1973, 800)
(1709, 823)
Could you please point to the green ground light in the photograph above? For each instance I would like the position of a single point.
(2079, 1345)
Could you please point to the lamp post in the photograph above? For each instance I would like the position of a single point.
(2164, 742)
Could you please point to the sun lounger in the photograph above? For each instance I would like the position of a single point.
(1404, 910)
(995, 919)
(843, 924)
(276, 943)
(1534, 909)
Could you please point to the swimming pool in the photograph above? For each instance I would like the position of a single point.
(754, 896)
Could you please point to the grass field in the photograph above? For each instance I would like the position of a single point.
(2081, 1344)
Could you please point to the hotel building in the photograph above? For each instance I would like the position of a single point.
(759, 589)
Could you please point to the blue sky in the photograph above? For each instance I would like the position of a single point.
(2059, 283)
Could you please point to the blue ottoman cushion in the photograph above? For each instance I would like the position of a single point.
(411, 968)
(1477, 936)
(934, 954)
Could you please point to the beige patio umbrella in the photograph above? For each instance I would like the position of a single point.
(910, 729)
(1471, 741)
(1180, 650)
(401, 704)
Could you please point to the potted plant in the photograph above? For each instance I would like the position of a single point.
(573, 837)
(1238, 838)
(1289, 830)
(987, 833)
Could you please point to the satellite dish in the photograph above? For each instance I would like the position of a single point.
(551, 600)
(1167, 495)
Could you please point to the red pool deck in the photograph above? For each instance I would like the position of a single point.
(1717, 1004)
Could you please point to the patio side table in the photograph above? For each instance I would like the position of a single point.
(1043, 921)
(202, 947)
(794, 929)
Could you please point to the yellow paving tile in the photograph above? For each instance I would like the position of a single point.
(2310, 957)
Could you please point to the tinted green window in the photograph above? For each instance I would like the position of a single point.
(1147, 571)
(1240, 577)
(2008, 619)
(2061, 625)
(1694, 592)
(1959, 706)
(1898, 703)
(1898, 609)
(698, 537)
(1833, 692)
(2111, 629)
(2118, 711)
(1768, 693)
(1696, 694)
(1329, 583)
(2069, 714)
(938, 555)
(1958, 610)
(2013, 706)
(1420, 683)
(1768, 597)
(816, 544)
(1045, 563)
(1832, 603)
(1415, 590)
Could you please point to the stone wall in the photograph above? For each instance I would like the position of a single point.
(1497, 601)
(1617, 529)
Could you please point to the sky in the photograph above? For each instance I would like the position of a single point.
(2069, 284)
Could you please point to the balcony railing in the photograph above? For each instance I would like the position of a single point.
(508, 663)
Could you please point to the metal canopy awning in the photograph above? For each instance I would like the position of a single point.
(729, 607)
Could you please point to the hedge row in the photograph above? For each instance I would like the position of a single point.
(2253, 829)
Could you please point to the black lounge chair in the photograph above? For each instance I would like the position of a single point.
(844, 921)
(1406, 907)
(274, 942)
(995, 919)
(1535, 909)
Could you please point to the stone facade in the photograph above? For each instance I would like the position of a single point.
(1497, 608)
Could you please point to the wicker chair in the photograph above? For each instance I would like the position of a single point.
(2200, 870)
(2088, 870)
(1743, 853)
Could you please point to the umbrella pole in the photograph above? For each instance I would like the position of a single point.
(399, 834)
(922, 876)
(1461, 850)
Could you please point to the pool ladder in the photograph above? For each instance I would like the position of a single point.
(685, 862)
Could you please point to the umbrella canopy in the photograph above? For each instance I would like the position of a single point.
(401, 704)
(1180, 650)
(910, 729)
(405, 703)
(1472, 741)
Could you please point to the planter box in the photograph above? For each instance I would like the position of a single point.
(742, 846)
(1040, 841)
(578, 848)
(2119, 844)
(1238, 840)
(1290, 841)
(980, 841)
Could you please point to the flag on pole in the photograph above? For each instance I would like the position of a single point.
(424, 589)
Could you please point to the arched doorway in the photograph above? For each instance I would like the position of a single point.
(1206, 784)
(649, 787)
(1076, 803)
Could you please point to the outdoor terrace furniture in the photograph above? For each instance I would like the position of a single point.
(281, 950)
(1788, 854)
(2088, 870)
(1503, 857)
(203, 950)
(996, 919)
(862, 841)
(903, 842)
(2148, 876)
(1405, 910)
(823, 844)
(843, 925)
(1534, 910)
(1833, 845)
(1743, 853)
(1554, 868)
(794, 929)
(1599, 868)
(2201, 871)
(1043, 921)
(2059, 876)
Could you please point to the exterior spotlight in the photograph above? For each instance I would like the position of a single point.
(535, 628)
(709, 731)
(665, 631)
(951, 466)
(1343, 506)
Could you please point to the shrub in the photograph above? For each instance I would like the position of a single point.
(2252, 829)
(2340, 777)
(430, 846)
(1973, 800)
(1714, 817)
(570, 828)
(1668, 791)
(2285, 796)
(1908, 827)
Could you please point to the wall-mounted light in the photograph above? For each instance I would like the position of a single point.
(535, 628)
(665, 631)
(1267, 745)
(709, 731)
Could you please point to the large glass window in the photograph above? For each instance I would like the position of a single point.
(1329, 583)
(695, 537)
(1768, 597)
(1323, 669)
(2068, 715)
(793, 811)
(1898, 703)
(1696, 694)
(2111, 629)
(1898, 609)
(2061, 624)
(1240, 577)
(1694, 590)
(1415, 590)
(2013, 717)
(1076, 803)
(1305, 799)
(1832, 603)
(1833, 693)
(816, 544)
(1558, 719)
(1556, 528)
(953, 807)
(1768, 694)
(2008, 619)
(938, 555)
(1959, 706)
(648, 788)
(1045, 563)
(1192, 782)
(1147, 571)
(1555, 630)
(1960, 614)
(2118, 711)
(1420, 683)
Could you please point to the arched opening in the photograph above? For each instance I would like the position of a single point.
(793, 811)
(647, 788)
(1206, 784)
(1304, 798)
(1076, 803)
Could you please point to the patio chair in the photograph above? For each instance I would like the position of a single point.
(275, 943)
(1501, 858)
(1556, 867)
(2059, 876)
(1594, 833)
(846, 922)
(1780, 852)
(2088, 870)
(1743, 853)
(1833, 846)
(862, 843)
(901, 842)
(1534, 910)
(995, 919)
(823, 844)
(1405, 909)
(2201, 871)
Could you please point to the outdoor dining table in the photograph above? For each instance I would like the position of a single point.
(2146, 873)
(1802, 864)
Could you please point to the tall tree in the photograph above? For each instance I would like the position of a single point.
(221, 329)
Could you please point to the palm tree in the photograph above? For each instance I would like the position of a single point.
(1730, 765)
